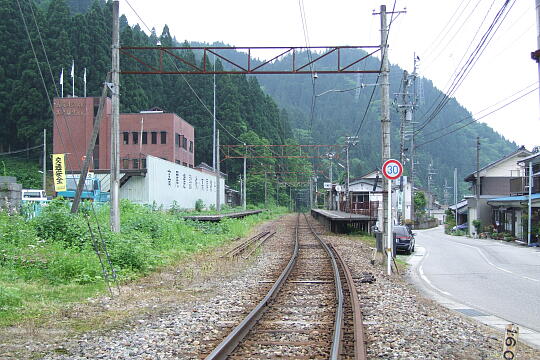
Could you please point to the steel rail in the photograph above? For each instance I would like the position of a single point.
(360, 352)
(338, 322)
(227, 346)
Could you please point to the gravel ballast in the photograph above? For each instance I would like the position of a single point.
(172, 316)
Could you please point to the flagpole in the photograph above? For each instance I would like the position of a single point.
(62, 82)
(73, 78)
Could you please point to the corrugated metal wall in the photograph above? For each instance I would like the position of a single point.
(166, 182)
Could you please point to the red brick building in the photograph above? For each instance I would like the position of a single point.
(164, 135)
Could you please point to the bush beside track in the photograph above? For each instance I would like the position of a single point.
(50, 261)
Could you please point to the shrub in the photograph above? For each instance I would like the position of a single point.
(199, 205)
(477, 225)
(58, 224)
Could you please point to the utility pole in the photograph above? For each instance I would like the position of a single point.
(331, 197)
(265, 191)
(385, 119)
(214, 118)
(310, 192)
(218, 175)
(530, 203)
(431, 172)
(413, 150)
(44, 159)
(477, 178)
(455, 194)
(245, 179)
(115, 122)
(350, 141)
(536, 54)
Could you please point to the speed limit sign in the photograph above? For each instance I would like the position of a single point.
(392, 169)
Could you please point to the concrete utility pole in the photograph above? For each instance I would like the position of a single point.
(350, 141)
(115, 122)
(44, 159)
(245, 179)
(529, 228)
(214, 118)
(477, 178)
(413, 150)
(537, 52)
(218, 176)
(265, 191)
(431, 172)
(455, 194)
(385, 117)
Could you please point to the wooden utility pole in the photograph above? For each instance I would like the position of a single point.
(90, 148)
(115, 122)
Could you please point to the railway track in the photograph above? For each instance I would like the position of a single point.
(251, 244)
(310, 312)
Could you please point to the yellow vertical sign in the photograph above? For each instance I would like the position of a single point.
(59, 172)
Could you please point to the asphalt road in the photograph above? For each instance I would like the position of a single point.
(498, 278)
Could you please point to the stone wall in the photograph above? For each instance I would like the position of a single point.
(10, 194)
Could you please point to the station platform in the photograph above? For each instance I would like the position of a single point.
(218, 217)
(341, 222)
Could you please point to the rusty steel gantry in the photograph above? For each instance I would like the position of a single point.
(248, 66)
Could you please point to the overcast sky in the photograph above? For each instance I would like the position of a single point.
(441, 33)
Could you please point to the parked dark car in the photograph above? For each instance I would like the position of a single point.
(404, 239)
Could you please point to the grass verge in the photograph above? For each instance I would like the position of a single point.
(51, 262)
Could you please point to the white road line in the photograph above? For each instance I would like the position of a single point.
(424, 277)
(495, 266)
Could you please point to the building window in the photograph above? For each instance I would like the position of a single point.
(184, 142)
(178, 162)
(135, 163)
(154, 137)
(184, 163)
(96, 163)
(177, 140)
(144, 138)
(135, 137)
(190, 146)
(143, 163)
(126, 138)
(163, 137)
(125, 163)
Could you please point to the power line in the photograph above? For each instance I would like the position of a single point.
(471, 61)
(485, 109)
(20, 151)
(480, 118)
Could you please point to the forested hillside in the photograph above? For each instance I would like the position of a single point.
(333, 115)
(268, 109)
(244, 111)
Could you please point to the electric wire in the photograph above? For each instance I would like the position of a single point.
(471, 61)
(21, 150)
(476, 120)
(535, 83)
(441, 96)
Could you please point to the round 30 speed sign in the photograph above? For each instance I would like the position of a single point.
(392, 169)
